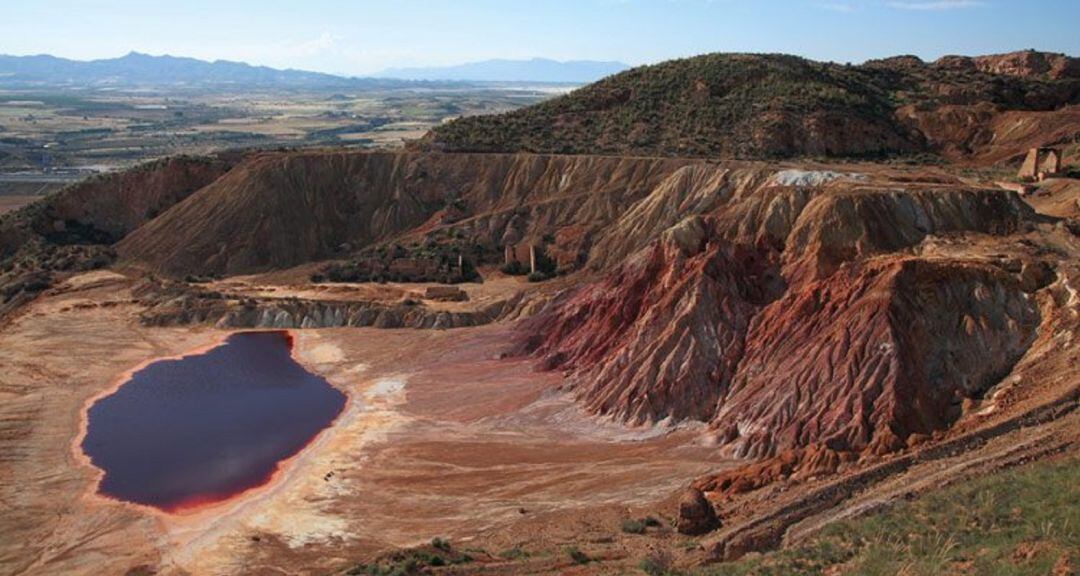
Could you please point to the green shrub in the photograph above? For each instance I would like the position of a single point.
(577, 555)
(657, 563)
(513, 268)
(515, 553)
(441, 544)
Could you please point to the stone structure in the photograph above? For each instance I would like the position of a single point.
(524, 253)
(1041, 163)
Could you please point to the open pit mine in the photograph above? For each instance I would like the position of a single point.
(489, 352)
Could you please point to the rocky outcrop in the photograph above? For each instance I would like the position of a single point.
(1026, 64)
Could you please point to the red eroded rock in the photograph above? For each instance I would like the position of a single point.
(814, 460)
(661, 336)
(872, 354)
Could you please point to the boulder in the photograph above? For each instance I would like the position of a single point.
(445, 293)
(696, 514)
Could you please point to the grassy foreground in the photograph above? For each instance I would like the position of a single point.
(1021, 521)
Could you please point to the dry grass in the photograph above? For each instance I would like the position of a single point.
(1018, 522)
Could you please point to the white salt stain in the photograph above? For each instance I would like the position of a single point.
(387, 389)
(357, 369)
(302, 508)
(812, 177)
(325, 353)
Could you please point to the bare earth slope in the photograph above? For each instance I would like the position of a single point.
(279, 210)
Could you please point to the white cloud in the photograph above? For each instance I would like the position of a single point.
(934, 5)
(324, 42)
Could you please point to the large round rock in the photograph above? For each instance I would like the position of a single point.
(696, 514)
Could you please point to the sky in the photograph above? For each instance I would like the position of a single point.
(365, 36)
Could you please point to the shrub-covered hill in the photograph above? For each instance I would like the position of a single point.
(772, 106)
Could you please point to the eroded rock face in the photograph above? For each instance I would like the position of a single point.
(73, 230)
(102, 209)
(868, 357)
(801, 322)
(661, 337)
(1029, 63)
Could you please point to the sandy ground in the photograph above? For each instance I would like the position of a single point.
(440, 438)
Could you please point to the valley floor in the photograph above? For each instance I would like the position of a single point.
(440, 439)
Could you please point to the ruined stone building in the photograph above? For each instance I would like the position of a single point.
(1041, 163)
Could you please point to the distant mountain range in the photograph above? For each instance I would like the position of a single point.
(137, 69)
(144, 70)
(535, 70)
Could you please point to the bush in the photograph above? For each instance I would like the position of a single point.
(545, 265)
(441, 544)
(631, 526)
(513, 268)
(515, 553)
(657, 563)
(577, 555)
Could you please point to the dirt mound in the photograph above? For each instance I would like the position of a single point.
(105, 208)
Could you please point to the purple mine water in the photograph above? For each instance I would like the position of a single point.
(206, 427)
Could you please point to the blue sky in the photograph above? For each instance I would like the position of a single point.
(364, 36)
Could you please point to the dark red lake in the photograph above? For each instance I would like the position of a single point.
(209, 426)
